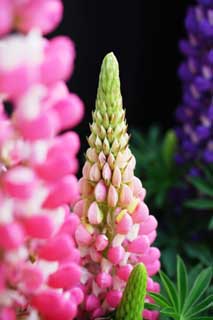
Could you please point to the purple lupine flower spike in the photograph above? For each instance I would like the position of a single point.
(195, 114)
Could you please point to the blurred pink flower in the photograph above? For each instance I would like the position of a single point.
(43, 15)
(39, 262)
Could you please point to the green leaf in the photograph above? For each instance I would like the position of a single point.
(202, 185)
(210, 227)
(210, 290)
(154, 134)
(159, 198)
(163, 317)
(193, 274)
(169, 260)
(205, 204)
(201, 284)
(151, 306)
(178, 303)
(182, 282)
(170, 312)
(204, 305)
(169, 147)
(159, 299)
(200, 252)
(202, 318)
(208, 173)
(136, 137)
(170, 290)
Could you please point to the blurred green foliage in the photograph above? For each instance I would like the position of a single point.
(155, 163)
(204, 195)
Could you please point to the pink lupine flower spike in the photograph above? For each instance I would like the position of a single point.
(116, 230)
(40, 268)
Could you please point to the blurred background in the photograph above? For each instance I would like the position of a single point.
(144, 36)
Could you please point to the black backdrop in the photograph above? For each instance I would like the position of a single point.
(144, 36)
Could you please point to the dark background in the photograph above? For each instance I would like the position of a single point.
(144, 35)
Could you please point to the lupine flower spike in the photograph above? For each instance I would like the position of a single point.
(116, 230)
(195, 114)
(39, 262)
(132, 303)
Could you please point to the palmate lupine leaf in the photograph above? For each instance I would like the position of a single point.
(170, 289)
(170, 312)
(200, 286)
(159, 299)
(202, 306)
(182, 303)
(194, 272)
(182, 282)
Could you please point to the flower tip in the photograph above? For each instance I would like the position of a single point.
(140, 267)
(110, 58)
(110, 64)
(109, 95)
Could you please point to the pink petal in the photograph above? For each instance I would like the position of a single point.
(11, 236)
(126, 196)
(101, 242)
(124, 225)
(104, 280)
(66, 277)
(116, 254)
(6, 17)
(20, 182)
(64, 191)
(32, 278)
(92, 303)
(40, 226)
(113, 298)
(44, 15)
(57, 248)
(95, 215)
(59, 60)
(70, 111)
(112, 197)
(100, 191)
(139, 245)
(123, 272)
(82, 236)
(141, 213)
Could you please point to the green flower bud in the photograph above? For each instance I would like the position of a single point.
(132, 303)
